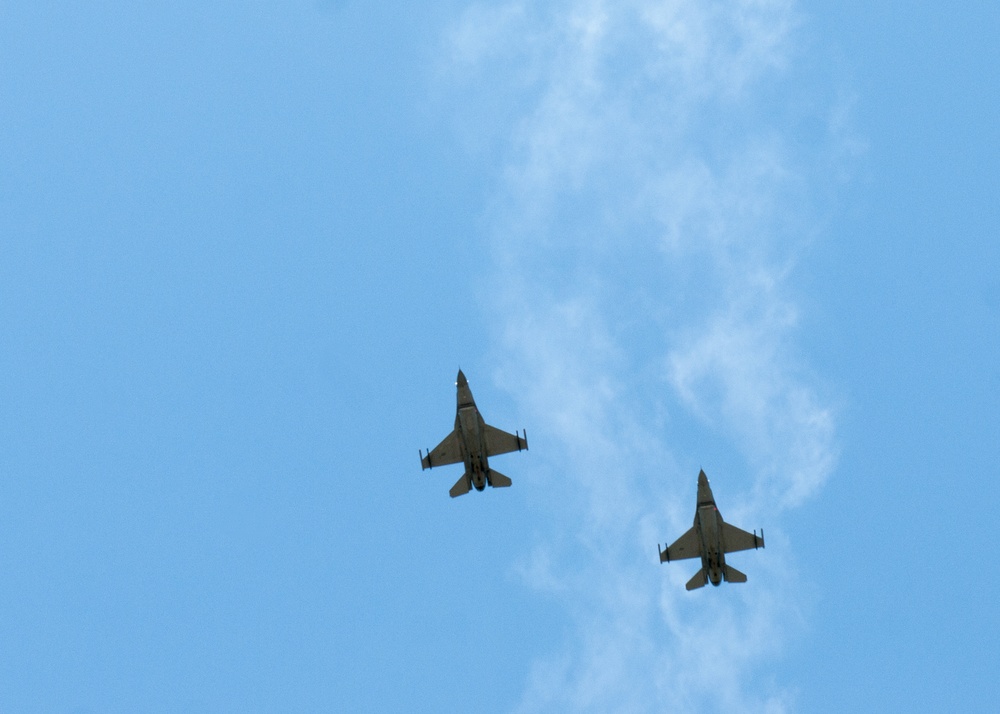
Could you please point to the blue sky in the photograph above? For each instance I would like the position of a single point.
(245, 248)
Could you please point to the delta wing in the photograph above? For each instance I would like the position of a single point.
(449, 451)
(499, 441)
(687, 546)
(734, 539)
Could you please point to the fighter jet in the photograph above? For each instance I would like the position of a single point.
(710, 539)
(472, 442)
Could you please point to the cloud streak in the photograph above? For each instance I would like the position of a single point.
(646, 220)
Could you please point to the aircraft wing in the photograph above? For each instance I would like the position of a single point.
(734, 539)
(687, 546)
(449, 451)
(499, 441)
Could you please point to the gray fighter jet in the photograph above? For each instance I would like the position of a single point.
(710, 538)
(472, 442)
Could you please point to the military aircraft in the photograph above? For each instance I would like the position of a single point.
(710, 538)
(472, 442)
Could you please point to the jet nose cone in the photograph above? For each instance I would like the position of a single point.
(705, 497)
(461, 381)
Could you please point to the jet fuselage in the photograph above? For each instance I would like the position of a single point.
(713, 558)
(469, 425)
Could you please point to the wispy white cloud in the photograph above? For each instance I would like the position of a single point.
(647, 218)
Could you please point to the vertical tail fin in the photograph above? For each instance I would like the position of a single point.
(698, 581)
(461, 486)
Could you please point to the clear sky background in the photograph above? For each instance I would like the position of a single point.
(246, 246)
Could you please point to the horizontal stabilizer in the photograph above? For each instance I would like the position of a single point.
(498, 480)
(461, 486)
(698, 581)
(732, 575)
